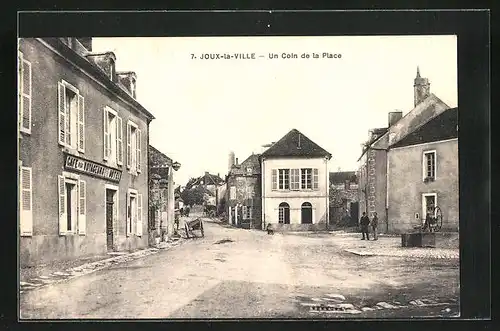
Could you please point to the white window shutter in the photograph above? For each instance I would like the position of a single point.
(275, 179)
(106, 134)
(129, 214)
(62, 205)
(62, 113)
(139, 142)
(81, 124)
(139, 215)
(129, 146)
(26, 205)
(82, 207)
(26, 96)
(119, 140)
(20, 88)
(315, 179)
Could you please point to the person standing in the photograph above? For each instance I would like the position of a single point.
(364, 221)
(374, 224)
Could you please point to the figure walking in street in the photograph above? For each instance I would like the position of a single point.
(364, 221)
(374, 224)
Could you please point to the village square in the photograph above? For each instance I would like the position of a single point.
(108, 230)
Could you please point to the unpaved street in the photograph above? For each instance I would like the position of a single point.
(236, 273)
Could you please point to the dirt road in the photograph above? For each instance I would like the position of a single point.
(236, 273)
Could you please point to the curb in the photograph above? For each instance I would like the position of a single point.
(408, 254)
(57, 277)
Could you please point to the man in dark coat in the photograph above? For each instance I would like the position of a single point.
(364, 221)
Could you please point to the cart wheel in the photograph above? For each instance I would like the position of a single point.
(438, 216)
(187, 231)
(201, 228)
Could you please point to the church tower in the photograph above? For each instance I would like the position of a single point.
(421, 88)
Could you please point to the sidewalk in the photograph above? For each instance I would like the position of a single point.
(60, 271)
(389, 245)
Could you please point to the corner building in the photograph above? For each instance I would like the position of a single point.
(83, 142)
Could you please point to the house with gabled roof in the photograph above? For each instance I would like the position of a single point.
(380, 178)
(423, 173)
(213, 184)
(295, 184)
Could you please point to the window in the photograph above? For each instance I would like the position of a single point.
(113, 137)
(247, 212)
(134, 213)
(284, 213)
(295, 179)
(232, 193)
(134, 143)
(72, 205)
(315, 179)
(284, 179)
(24, 89)
(429, 166)
(71, 117)
(306, 179)
(26, 202)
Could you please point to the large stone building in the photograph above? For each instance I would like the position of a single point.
(295, 184)
(374, 165)
(243, 194)
(344, 197)
(161, 195)
(83, 145)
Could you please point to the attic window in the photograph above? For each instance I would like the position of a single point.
(249, 170)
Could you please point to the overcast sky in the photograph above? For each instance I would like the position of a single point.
(206, 108)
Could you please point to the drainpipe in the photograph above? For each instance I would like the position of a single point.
(263, 191)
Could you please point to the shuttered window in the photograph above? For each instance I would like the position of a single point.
(71, 117)
(82, 207)
(62, 205)
(26, 202)
(25, 94)
(119, 141)
(138, 150)
(139, 215)
(315, 179)
(129, 145)
(275, 179)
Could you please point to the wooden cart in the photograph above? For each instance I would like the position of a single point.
(190, 226)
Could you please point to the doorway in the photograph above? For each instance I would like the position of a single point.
(354, 208)
(110, 213)
(71, 205)
(429, 202)
(306, 211)
(284, 213)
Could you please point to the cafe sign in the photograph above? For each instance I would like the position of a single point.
(91, 168)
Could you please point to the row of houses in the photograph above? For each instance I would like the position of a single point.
(405, 169)
(84, 154)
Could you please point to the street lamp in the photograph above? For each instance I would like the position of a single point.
(176, 165)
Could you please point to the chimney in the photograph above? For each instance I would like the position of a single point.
(206, 173)
(231, 160)
(86, 42)
(105, 61)
(394, 116)
(129, 80)
(236, 162)
(421, 88)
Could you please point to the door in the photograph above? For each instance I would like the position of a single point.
(306, 211)
(354, 212)
(109, 218)
(284, 213)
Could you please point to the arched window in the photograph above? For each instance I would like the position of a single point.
(306, 212)
(284, 213)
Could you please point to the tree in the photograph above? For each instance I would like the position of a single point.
(193, 196)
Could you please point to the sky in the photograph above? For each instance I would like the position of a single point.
(205, 108)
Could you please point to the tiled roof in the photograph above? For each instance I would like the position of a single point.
(157, 158)
(341, 176)
(208, 179)
(295, 144)
(442, 127)
(251, 161)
